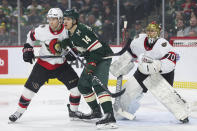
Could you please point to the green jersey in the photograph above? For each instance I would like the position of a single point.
(87, 44)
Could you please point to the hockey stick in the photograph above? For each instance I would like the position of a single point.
(63, 54)
(123, 41)
(49, 56)
(96, 78)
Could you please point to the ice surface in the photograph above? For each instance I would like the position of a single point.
(48, 112)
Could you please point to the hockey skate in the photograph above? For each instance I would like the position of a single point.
(107, 122)
(186, 120)
(74, 115)
(15, 116)
(95, 115)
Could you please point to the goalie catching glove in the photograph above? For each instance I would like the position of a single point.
(28, 53)
(150, 67)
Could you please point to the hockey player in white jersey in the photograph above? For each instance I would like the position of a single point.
(48, 68)
(156, 64)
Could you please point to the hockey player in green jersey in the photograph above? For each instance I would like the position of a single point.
(86, 43)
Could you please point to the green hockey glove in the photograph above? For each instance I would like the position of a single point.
(91, 66)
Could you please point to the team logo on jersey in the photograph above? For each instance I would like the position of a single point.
(164, 44)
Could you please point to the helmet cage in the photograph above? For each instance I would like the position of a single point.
(153, 32)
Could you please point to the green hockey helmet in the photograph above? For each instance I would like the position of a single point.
(71, 13)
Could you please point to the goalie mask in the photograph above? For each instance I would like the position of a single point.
(153, 32)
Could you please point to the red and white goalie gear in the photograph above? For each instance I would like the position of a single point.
(161, 52)
(129, 101)
(123, 65)
(150, 68)
(167, 95)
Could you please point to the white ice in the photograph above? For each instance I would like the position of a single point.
(48, 112)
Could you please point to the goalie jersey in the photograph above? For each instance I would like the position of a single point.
(160, 50)
(45, 35)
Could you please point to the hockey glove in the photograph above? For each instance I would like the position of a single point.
(70, 56)
(28, 53)
(91, 66)
(150, 68)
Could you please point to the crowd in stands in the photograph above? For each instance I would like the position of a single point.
(181, 18)
(100, 15)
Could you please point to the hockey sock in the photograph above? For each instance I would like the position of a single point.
(105, 101)
(25, 100)
(91, 100)
(74, 99)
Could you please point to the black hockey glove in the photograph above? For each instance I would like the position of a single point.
(70, 56)
(28, 53)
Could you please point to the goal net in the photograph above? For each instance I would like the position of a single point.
(186, 71)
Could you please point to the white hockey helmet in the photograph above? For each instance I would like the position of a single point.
(55, 13)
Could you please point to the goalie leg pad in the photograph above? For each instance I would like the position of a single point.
(167, 95)
(129, 101)
(122, 65)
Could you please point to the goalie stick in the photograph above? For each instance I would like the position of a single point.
(96, 78)
(117, 104)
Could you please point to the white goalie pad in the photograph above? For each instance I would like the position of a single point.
(128, 103)
(167, 95)
(122, 66)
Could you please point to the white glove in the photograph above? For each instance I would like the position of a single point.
(150, 68)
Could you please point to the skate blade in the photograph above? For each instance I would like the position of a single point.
(11, 122)
(75, 119)
(91, 120)
(107, 126)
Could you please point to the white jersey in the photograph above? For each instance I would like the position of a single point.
(44, 34)
(161, 50)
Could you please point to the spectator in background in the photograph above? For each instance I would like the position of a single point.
(187, 8)
(108, 14)
(7, 9)
(77, 4)
(95, 23)
(108, 31)
(34, 19)
(3, 17)
(137, 29)
(180, 26)
(34, 5)
(13, 29)
(3, 34)
(193, 26)
(87, 6)
(96, 11)
(192, 33)
(82, 18)
(63, 4)
(33, 11)
(45, 8)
